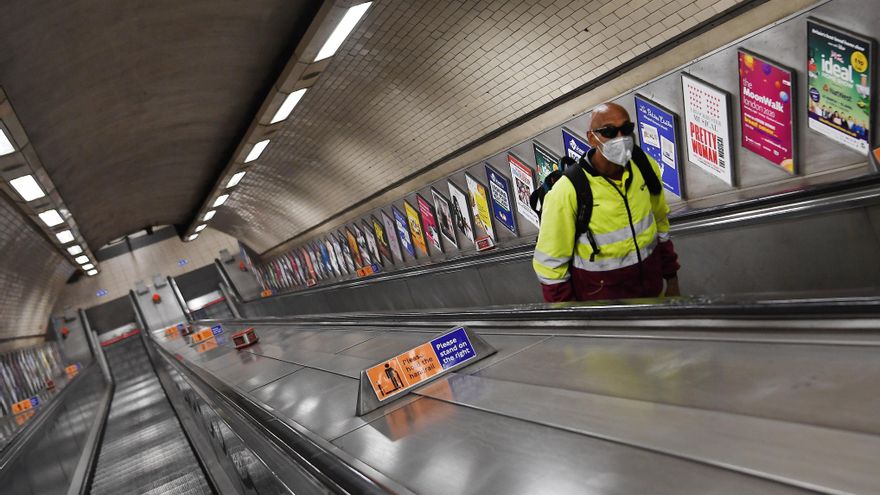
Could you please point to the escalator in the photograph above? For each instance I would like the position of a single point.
(144, 449)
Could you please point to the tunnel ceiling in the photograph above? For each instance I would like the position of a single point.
(134, 107)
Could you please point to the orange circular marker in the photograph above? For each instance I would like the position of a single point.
(245, 338)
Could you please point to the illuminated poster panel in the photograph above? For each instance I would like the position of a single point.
(372, 242)
(429, 221)
(546, 161)
(363, 248)
(461, 211)
(839, 79)
(354, 249)
(346, 251)
(334, 258)
(484, 233)
(707, 120)
(523, 185)
(502, 207)
(444, 216)
(393, 237)
(340, 255)
(767, 110)
(415, 227)
(382, 238)
(402, 226)
(658, 138)
(575, 147)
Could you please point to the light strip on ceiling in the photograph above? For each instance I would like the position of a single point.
(235, 179)
(220, 200)
(88, 267)
(343, 29)
(256, 151)
(51, 218)
(74, 250)
(6, 146)
(200, 228)
(289, 103)
(92, 273)
(64, 236)
(81, 259)
(26, 187)
(209, 215)
(192, 237)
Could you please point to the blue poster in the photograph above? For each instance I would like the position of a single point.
(403, 231)
(657, 135)
(453, 348)
(500, 191)
(575, 147)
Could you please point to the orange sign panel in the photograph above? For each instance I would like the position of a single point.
(202, 335)
(171, 331)
(71, 370)
(22, 406)
(266, 293)
(404, 371)
(206, 346)
(23, 418)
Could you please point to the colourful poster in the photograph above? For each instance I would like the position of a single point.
(331, 253)
(429, 222)
(372, 243)
(353, 249)
(403, 234)
(312, 275)
(575, 147)
(461, 211)
(340, 257)
(484, 233)
(707, 120)
(325, 258)
(502, 207)
(547, 162)
(382, 239)
(363, 248)
(444, 217)
(839, 77)
(658, 138)
(415, 227)
(523, 185)
(346, 251)
(766, 109)
(393, 237)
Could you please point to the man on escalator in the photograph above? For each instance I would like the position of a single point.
(604, 227)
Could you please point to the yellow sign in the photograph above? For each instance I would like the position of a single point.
(415, 227)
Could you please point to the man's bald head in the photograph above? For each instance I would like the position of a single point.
(608, 114)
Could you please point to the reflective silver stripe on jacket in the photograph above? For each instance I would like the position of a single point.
(621, 234)
(550, 261)
(553, 281)
(664, 236)
(607, 264)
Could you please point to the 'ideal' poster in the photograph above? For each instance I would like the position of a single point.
(523, 185)
(444, 217)
(429, 222)
(707, 120)
(839, 78)
(768, 123)
(658, 138)
(415, 227)
(547, 161)
(484, 233)
(461, 211)
(393, 236)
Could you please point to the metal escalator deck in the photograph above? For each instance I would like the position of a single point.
(144, 449)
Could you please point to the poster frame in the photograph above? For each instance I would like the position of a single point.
(728, 102)
(514, 226)
(433, 211)
(677, 144)
(393, 236)
(370, 234)
(525, 210)
(468, 214)
(387, 254)
(417, 216)
(538, 147)
(408, 246)
(438, 196)
(491, 235)
(575, 136)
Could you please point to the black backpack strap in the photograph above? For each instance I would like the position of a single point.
(648, 174)
(578, 177)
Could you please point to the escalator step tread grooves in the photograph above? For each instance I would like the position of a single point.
(144, 450)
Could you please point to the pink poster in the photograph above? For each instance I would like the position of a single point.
(766, 107)
(429, 222)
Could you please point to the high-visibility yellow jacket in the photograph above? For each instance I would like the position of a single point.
(631, 231)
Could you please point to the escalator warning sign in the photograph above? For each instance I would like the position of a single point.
(419, 364)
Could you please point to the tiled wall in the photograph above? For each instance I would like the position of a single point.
(119, 274)
(32, 274)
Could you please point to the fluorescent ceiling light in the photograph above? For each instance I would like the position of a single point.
(209, 215)
(74, 250)
(27, 187)
(92, 273)
(64, 236)
(256, 151)
(343, 29)
(6, 146)
(220, 200)
(288, 105)
(192, 237)
(51, 218)
(88, 267)
(235, 179)
(81, 259)
(200, 228)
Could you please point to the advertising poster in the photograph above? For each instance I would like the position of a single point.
(707, 120)
(403, 234)
(372, 243)
(331, 253)
(325, 258)
(575, 147)
(429, 222)
(315, 262)
(484, 233)
(523, 185)
(312, 275)
(300, 267)
(658, 138)
(415, 227)
(393, 237)
(461, 211)
(501, 204)
(547, 162)
(381, 239)
(839, 78)
(767, 110)
(346, 251)
(353, 249)
(363, 248)
(444, 217)
(340, 256)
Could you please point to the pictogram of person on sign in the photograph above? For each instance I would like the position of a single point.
(393, 377)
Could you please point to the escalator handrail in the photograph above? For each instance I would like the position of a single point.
(816, 199)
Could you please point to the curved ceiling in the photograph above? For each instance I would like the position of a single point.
(416, 81)
(135, 107)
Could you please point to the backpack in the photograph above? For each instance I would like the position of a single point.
(585, 194)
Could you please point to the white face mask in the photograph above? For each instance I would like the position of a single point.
(618, 150)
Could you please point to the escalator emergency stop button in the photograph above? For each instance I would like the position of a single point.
(245, 338)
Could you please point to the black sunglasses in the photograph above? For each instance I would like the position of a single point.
(610, 131)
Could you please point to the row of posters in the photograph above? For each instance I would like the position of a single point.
(839, 107)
